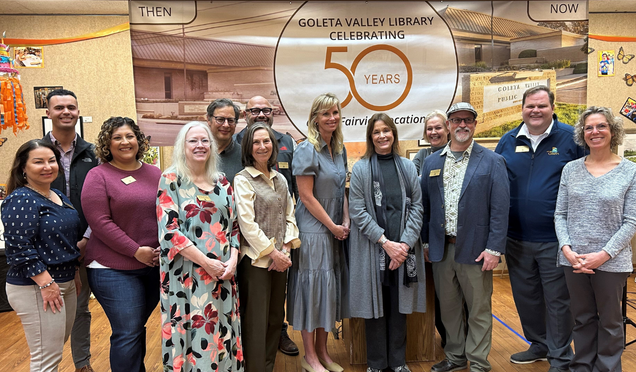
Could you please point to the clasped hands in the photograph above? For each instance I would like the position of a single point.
(584, 263)
(397, 251)
(148, 256)
(280, 261)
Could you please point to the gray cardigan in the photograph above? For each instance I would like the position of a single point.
(597, 213)
(365, 287)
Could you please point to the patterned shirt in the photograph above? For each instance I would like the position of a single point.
(65, 158)
(454, 171)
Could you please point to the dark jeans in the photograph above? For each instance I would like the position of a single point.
(128, 297)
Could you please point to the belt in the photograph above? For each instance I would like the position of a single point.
(451, 239)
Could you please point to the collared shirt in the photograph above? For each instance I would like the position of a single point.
(65, 158)
(260, 245)
(535, 139)
(454, 171)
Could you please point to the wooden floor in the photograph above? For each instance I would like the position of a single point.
(14, 355)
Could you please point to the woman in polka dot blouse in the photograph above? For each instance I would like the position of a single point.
(40, 232)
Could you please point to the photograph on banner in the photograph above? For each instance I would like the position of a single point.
(403, 58)
(606, 63)
(29, 56)
(40, 94)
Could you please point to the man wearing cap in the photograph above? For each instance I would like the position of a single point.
(536, 152)
(258, 109)
(466, 196)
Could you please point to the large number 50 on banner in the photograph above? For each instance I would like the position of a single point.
(393, 57)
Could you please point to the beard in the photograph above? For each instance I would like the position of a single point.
(268, 120)
(462, 135)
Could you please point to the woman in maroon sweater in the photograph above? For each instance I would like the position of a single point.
(118, 199)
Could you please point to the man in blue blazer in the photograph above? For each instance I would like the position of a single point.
(466, 197)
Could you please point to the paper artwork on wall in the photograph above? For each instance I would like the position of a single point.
(629, 109)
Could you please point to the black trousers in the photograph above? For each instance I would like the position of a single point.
(386, 336)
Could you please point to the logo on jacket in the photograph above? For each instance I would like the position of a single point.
(554, 151)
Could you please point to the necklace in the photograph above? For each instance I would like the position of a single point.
(39, 192)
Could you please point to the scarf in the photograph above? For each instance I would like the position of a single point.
(410, 268)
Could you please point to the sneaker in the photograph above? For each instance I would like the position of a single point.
(527, 357)
(285, 344)
(369, 369)
(403, 368)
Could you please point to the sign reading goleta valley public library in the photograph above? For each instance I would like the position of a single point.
(393, 57)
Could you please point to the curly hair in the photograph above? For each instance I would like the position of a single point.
(615, 123)
(102, 147)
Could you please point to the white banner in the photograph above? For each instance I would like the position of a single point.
(397, 58)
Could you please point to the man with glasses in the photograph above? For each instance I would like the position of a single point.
(222, 118)
(466, 198)
(258, 109)
(536, 152)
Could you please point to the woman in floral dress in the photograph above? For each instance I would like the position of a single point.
(198, 233)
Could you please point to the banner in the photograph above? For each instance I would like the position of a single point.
(402, 58)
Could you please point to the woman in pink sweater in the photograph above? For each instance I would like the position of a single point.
(118, 199)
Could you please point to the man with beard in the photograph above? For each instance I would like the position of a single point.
(258, 109)
(536, 152)
(466, 196)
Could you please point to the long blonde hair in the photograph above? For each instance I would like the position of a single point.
(321, 104)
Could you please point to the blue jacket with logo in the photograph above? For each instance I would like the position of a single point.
(534, 179)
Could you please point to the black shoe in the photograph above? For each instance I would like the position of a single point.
(527, 357)
(286, 345)
(448, 366)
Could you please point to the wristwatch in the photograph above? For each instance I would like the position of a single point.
(383, 240)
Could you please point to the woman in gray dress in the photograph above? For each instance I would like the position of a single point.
(387, 278)
(317, 278)
(595, 220)
(436, 133)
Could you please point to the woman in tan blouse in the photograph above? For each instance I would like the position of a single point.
(268, 233)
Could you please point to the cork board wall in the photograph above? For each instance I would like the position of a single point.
(611, 91)
(99, 71)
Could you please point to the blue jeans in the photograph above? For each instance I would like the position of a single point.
(128, 297)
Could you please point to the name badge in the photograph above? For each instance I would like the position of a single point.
(283, 165)
(522, 149)
(434, 173)
(128, 180)
(204, 198)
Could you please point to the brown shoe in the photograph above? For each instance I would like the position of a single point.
(286, 345)
(86, 368)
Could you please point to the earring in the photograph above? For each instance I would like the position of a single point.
(24, 175)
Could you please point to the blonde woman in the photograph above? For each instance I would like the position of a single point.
(317, 277)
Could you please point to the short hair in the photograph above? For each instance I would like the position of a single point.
(615, 123)
(59, 92)
(220, 103)
(247, 145)
(436, 114)
(16, 177)
(537, 89)
(395, 147)
(321, 104)
(179, 162)
(102, 147)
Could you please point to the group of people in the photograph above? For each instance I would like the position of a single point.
(241, 223)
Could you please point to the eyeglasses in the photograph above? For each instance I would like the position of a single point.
(193, 142)
(255, 111)
(220, 120)
(459, 120)
(599, 127)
